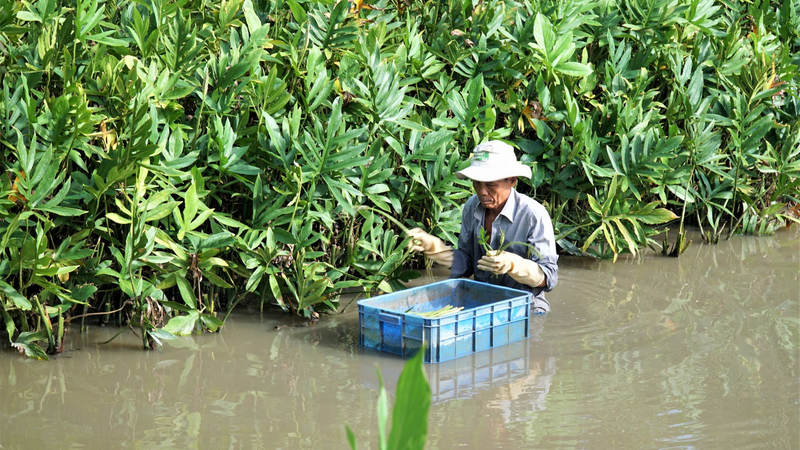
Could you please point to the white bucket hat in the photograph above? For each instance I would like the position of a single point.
(492, 161)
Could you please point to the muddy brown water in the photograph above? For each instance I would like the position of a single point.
(696, 352)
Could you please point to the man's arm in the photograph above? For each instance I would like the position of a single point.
(463, 258)
(541, 236)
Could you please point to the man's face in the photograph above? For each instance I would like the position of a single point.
(493, 194)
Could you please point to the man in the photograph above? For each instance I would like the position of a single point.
(499, 209)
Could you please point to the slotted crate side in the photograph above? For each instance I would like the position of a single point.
(492, 316)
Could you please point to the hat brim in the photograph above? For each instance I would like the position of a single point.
(488, 174)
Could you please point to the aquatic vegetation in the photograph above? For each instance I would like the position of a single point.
(410, 413)
(161, 162)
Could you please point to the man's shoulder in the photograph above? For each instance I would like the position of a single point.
(471, 203)
(526, 203)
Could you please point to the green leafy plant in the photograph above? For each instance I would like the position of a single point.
(409, 418)
(161, 162)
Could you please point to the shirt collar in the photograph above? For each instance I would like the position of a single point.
(510, 206)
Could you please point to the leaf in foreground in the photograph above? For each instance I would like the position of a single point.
(410, 413)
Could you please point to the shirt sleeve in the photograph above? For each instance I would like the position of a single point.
(463, 256)
(541, 236)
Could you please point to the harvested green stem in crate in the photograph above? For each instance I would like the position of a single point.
(437, 313)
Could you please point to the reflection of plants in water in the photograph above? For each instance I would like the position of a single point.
(726, 310)
(721, 321)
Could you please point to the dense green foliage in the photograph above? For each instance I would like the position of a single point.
(165, 158)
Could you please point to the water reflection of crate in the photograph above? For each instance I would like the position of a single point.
(460, 378)
(492, 316)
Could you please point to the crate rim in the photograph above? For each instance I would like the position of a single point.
(366, 301)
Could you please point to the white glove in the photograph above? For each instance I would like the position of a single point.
(433, 247)
(522, 270)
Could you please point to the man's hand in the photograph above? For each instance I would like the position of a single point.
(498, 264)
(433, 247)
(424, 242)
(420, 240)
(522, 270)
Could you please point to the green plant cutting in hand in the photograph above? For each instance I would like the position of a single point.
(484, 239)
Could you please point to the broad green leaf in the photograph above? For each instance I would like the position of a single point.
(212, 323)
(298, 12)
(593, 203)
(161, 335)
(253, 22)
(216, 280)
(658, 216)
(114, 217)
(182, 325)
(217, 241)
(56, 270)
(772, 209)
(351, 438)
(62, 211)
(176, 306)
(105, 38)
(574, 69)
(563, 50)
(410, 412)
(276, 290)
(384, 285)
(9, 322)
(591, 238)
(28, 16)
(254, 279)
(187, 293)
(411, 125)
(199, 220)
(541, 28)
(16, 298)
(27, 343)
(695, 89)
(160, 211)
(191, 201)
(626, 236)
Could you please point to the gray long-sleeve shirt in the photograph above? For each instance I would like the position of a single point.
(523, 219)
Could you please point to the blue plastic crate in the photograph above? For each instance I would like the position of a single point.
(492, 316)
